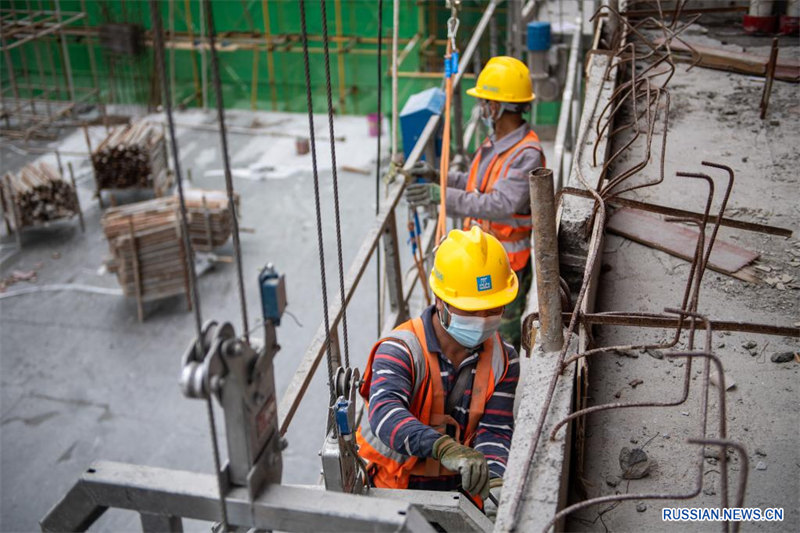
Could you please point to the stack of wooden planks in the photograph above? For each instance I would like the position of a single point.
(132, 156)
(146, 242)
(148, 255)
(37, 194)
(208, 217)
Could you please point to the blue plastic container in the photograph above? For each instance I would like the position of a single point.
(415, 114)
(538, 36)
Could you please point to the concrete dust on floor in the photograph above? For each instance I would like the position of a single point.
(714, 118)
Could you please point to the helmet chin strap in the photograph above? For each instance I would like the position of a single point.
(499, 114)
(444, 315)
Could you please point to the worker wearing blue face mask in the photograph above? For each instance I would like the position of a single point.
(439, 390)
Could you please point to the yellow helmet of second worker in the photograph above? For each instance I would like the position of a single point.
(471, 271)
(504, 79)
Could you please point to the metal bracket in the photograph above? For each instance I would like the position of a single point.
(342, 468)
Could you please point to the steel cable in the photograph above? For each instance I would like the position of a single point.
(187, 243)
(320, 243)
(378, 162)
(159, 53)
(226, 162)
(326, 55)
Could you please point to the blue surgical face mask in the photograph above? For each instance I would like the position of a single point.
(469, 331)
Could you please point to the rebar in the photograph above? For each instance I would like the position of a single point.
(645, 93)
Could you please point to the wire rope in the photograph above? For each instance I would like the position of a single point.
(167, 103)
(378, 162)
(226, 162)
(159, 52)
(320, 243)
(332, 136)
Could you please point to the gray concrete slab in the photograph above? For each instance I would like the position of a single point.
(714, 117)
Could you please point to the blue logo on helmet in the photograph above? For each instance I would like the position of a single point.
(484, 283)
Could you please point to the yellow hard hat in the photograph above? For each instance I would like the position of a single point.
(504, 79)
(471, 271)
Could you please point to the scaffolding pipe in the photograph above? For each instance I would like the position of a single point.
(545, 253)
(65, 50)
(565, 115)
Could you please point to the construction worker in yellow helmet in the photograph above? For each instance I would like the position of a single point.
(439, 390)
(494, 193)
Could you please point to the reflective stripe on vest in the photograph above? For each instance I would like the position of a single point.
(518, 228)
(409, 343)
(393, 469)
(513, 247)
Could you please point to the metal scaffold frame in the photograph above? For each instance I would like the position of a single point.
(29, 108)
(48, 29)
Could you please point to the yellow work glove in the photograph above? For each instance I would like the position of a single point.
(471, 464)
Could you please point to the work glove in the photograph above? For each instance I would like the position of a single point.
(422, 194)
(471, 464)
(489, 506)
(424, 170)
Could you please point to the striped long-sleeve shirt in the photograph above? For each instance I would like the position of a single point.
(393, 423)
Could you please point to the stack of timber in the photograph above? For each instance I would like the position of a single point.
(132, 156)
(208, 217)
(35, 195)
(148, 255)
(147, 247)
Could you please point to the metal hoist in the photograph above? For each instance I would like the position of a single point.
(342, 468)
(219, 364)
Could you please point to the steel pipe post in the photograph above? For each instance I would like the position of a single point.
(545, 252)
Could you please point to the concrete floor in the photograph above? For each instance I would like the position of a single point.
(81, 379)
(715, 118)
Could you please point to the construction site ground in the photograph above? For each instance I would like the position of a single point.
(714, 117)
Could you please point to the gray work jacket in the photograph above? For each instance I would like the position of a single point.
(508, 196)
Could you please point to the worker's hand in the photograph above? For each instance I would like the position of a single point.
(471, 464)
(489, 506)
(422, 194)
(424, 170)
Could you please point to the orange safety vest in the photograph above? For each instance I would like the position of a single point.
(393, 469)
(513, 233)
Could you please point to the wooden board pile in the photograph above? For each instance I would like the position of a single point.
(132, 156)
(37, 194)
(147, 250)
(146, 241)
(208, 217)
